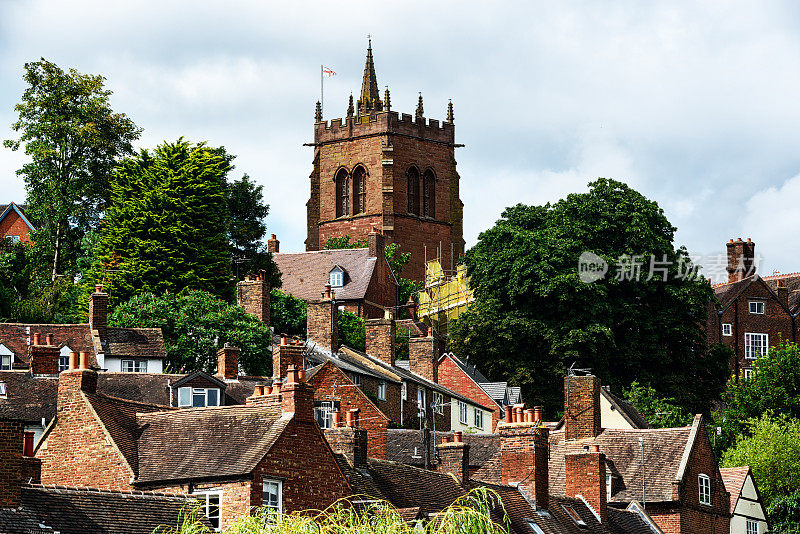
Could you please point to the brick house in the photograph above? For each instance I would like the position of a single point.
(753, 312)
(671, 471)
(269, 451)
(393, 172)
(361, 278)
(748, 513)
(14, 224)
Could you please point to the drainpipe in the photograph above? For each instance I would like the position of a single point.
(641, 445)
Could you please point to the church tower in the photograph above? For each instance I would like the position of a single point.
(396, 173)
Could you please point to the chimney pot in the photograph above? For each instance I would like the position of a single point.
(509, 415)
(336, 419)
(276, 386)
(98, 288)
(445, 439)
(37, 338)
(84, 360)
(49, 339)
(595, 448)
(349, 418)
(458, 437)
(284, 340)
(291, 375)
(258, 390)
(74, 361)
(537, 414)
(354, 419)
(529, 415)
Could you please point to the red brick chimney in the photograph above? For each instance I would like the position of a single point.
(16, 469)
(349, 440)
(454, 457)
(273, 245)
(297, 397)
(322, 320)
(228, 362)
(524, 455)
(74, 380)
(581, 407)
(43, 358)
(586, 476)
(98, 311)
(287, 354)
(376, 243)
(423, 356)
(252, 295)
(782, 291)
(380, 337)
(741, 259)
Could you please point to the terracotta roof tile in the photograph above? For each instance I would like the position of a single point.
(734, 478)
(406, 446)
(135, 342)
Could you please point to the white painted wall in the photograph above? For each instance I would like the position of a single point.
(746, 508)
(610, 417)
(455, 422)
(114, 365)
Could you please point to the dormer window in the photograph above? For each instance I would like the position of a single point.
(63, 358)
(6, 358)
(336, 277)
(198, 397)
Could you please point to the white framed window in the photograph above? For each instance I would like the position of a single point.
(752, 526)
(198, 397)
(727, 330)
(355, 379)
(63, 358)
(438, 403)
(3, 393)
(323, 412)
(211, 502)
(748, 373)
(755, 345)
(382, 390)
(336, 278)
(421, 398)
(479, 418)
(5, 362)
(134, 366)
(462, 412)
(704, 489)
(534, 527)
(14, 238)
(757, 307)
(272, 495)
(404, 391)
(609, 486)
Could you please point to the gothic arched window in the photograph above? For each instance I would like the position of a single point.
(342, 198)
(413, 191)
(429, 194)
(359, 190)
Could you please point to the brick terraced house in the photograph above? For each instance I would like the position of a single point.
(393, 172)
(269, 451)
(14, 225)
(753, 312)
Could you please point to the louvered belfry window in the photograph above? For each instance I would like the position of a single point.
(342, 200)
(413, 191)
(359, 191)
(429, 194)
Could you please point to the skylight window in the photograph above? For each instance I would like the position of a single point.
(574, 515)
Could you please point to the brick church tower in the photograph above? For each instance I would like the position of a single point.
(396, 173)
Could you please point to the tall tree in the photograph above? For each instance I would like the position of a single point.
(167, 227)
(74, 140)
(248, 212)
(534, 316)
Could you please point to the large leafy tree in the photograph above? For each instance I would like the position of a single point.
(195, 325)
(167, 227)
(534, 316)
(74, 139)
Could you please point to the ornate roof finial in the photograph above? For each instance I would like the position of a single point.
(370, 96)
(450, 115)
(350, 109)
(387, 101)
(420, 110)
(318, 114)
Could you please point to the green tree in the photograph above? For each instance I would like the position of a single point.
(247, 228)
(14, 276)
(533, 316)
(287, 314)
(351, 331)
(74, 140)
(771, 448)
(660, 412)
(344, 242)
(773, 386)
(167, 227)
(195, 325)
(784, 514)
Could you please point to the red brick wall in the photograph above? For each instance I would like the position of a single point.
(284, 356)
(521, 461)
(44, 359)
(452, 377)
(253, 297)
(228, 362)
(423, 356)
(454, 459)
(380, 337)
(698, 518)
(13, 224)
(581, 407)
(322, 323)
(586, 476)
(11, 463)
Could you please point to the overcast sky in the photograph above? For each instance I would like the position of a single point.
(696, 105)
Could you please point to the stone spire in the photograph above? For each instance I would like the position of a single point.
(318, 113)
(450, 115)
(370, 97)
(350, 106)
(420, 110)
(387, 101)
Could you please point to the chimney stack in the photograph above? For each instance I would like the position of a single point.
(524, 456)
(287, 355)
(741, 259)
(98, 311)
(228, 362)
(297, 397)
(16, 469)
(75, 379)
(454, 458)
(273, 245)
(586, 477)
(380, 337)
(423, 356)
(782, 291)
(581, 407)
(43, 358)
(349, 440)
(376, 243)
(322, 320)
(252, 295)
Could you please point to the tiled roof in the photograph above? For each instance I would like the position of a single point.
(27, 398)
(792, 281)
(82, 511)
(21, 521)
(406, 446)
(496, 390)
(17, 336)
(135, 342)
(318, 354)
(514, 395)
(663, 451)
(629, 522)
(305, 274)
(734, 478)
(206, 442)
(726, 293)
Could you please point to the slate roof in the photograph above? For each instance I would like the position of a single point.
(135, 342)
(206, 442)
(734, 478)
(81, 510)
(304, 274)
(629, 522)
(21, 521)
(792, 281)
(402, 443)
(27, 398)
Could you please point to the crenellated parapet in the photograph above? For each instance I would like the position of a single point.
(384, 123)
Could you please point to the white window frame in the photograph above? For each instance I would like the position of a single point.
(749, 353)
(63, 358)
(355, 379)
(421, 398)
(191, 392)
(609, 486)
(323, 413)
(404, 390)
(14, 238)
(438, 402)
(279, 486)
(136, 366)
(751, 526)
(479, 418)
(3, 391)
(748, 373)
(756, 307)
(6, 358)
(204, 496)
(382, 390)
(704, 489)
(462, 413)
(336, 278)
(727, 329)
